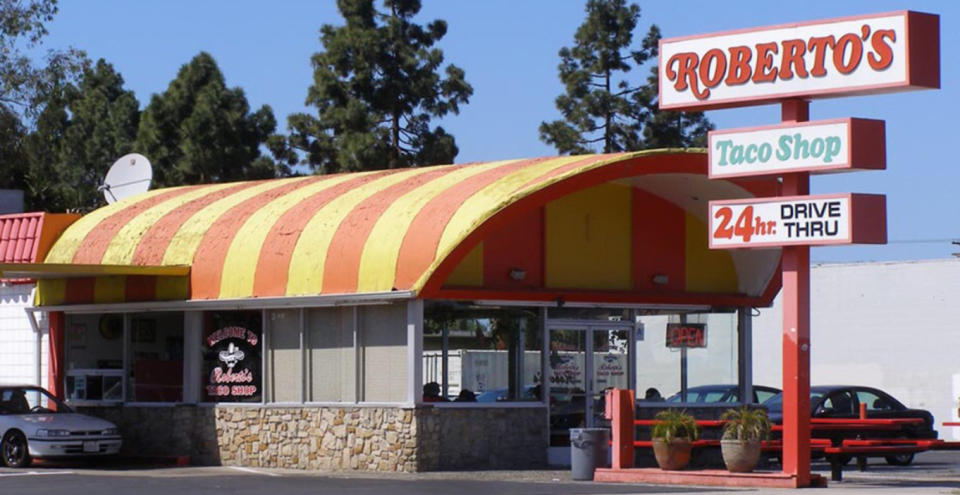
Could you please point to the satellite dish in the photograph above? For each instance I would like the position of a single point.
(128, 176)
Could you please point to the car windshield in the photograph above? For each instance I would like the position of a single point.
(30, 400)
(775, 403)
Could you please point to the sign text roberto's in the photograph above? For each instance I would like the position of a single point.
(859, 55)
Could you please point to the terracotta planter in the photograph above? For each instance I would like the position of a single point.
(672, 456)
(740, 457)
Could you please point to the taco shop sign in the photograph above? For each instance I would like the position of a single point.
(858, 55)
(824, 146)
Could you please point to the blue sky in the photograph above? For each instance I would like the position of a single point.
(508, 49)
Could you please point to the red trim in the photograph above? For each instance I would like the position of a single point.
(80, 290)
(55, 359)
(923, 60)
(140, 288)
(866, 148)
(613, 297)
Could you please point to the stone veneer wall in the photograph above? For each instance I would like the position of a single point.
(337, 438)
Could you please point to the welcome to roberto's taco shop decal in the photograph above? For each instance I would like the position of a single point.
(231, 357)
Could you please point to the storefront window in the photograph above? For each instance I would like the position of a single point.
(332, 357)
(481, 354)
(286, 371)
(232, 345)
(94, 357)
(156, 358)
(711, 358)
(383, 351)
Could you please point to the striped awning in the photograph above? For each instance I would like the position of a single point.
(333, 234)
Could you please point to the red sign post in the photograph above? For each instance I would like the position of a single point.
(789, 65)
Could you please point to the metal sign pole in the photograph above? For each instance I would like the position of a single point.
(796, 328)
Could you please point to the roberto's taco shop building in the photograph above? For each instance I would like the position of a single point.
(294, 322)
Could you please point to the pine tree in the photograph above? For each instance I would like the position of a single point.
(82, 129)
(200, 131)
(377, 86)
(602, 111)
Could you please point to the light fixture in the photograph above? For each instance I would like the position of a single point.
(660, 279)
(518, 273)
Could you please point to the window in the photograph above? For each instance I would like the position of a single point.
(839, 403)
(763, 395)
(94, 357)
(331, 354)
(231, 347)
(383, 339)
(286, 371)
(482, 354)
(875, 402)
(156, 358)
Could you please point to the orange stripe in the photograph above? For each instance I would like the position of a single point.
(346, 247)
(80, 290)
(419, 248)
(95, 244)
(207, 268)
(273, 264)
(153, 244)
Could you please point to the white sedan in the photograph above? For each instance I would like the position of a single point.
(34, 423)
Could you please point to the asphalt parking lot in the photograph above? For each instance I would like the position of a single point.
(932, 473)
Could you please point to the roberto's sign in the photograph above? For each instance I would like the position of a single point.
(800, 220)
(857, 55)
(823, 146)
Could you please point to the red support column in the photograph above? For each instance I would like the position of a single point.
(620, 412)
(796, 329)
(55, 334)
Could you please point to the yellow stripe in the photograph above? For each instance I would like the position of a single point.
(109, 289)
(588, 239)
(122, 247)
(172, 288)
(480, 206)
(305, 274)
(185, 242)
(51, 292)
(469, 273)
(245, 249)
(68, 243)
(378, 263)
(708, 270)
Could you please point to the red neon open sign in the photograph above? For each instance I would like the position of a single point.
(686, 335)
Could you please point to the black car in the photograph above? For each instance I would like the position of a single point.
(843, 402)
(723, 393)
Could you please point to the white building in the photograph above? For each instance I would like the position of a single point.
(890, 325)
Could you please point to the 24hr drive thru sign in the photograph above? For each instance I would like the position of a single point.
(856, 55)
(800, 220)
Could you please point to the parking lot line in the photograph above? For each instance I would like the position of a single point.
(35, 473)
(254, 471)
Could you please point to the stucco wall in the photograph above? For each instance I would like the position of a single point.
(17, 340)
(893, 325)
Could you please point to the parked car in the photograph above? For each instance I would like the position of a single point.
(34, 423)
(843, 402)
(723, 393)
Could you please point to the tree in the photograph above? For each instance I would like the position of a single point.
(666, 128)
(200, 131)
(80, 132)
(376, 89)
(601, 110)
(22, 29)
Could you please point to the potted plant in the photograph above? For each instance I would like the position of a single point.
(672, 437)
(743, 431)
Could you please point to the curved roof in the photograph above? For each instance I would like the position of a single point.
(336, 234)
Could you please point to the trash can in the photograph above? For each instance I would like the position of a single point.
(588, 451)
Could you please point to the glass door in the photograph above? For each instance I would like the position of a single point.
(568, 387)
(586, 358)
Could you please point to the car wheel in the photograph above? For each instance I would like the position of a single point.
(14, 450)
(900, 459)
